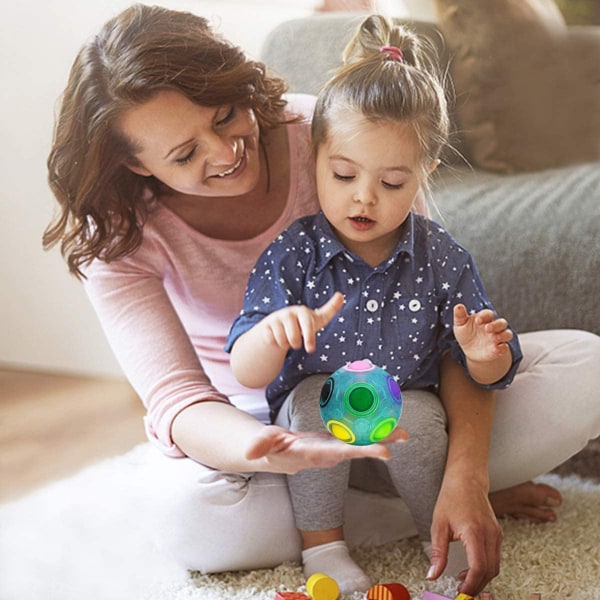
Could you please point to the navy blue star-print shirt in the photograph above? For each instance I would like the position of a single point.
(398, 315)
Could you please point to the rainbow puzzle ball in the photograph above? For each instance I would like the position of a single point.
(360, 403)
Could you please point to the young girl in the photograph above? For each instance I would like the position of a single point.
(175, 161)
(411, 294)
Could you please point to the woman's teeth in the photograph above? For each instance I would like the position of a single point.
(230, 171)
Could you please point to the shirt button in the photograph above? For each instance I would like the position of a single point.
(372, 305)
(414, 305)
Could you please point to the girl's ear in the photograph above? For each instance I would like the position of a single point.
(137, 167)
(434, 165)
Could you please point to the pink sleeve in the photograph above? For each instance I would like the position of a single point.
(150, 344)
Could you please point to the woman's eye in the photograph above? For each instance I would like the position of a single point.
(184, 160)
(343, 177)
(228, 117)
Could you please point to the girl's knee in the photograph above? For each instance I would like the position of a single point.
(305, 411)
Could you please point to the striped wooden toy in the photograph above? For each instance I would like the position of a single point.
(291, 596)
(388, 591)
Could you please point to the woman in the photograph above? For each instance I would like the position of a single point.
(175, 162)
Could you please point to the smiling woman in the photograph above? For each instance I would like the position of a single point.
(194, 150)
(224, 117)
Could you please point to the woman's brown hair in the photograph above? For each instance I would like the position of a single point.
(140, 52)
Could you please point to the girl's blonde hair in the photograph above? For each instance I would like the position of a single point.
(142, 51)
(385, 85)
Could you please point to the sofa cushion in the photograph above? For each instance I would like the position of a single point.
(528, 86)
(534, 237)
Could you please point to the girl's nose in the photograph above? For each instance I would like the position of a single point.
(365, 195)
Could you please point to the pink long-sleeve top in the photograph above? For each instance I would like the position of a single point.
(167, 308)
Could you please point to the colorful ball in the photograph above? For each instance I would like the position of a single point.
(360, 403)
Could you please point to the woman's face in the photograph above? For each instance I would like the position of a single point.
(198, 150)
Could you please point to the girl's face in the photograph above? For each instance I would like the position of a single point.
(368, 177)
(198, 150)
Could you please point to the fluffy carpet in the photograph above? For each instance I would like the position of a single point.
(83, 538)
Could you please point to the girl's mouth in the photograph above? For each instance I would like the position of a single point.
(361, 223)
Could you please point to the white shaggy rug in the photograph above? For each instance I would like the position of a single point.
(82, 539)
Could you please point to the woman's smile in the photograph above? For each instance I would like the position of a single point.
(234, 170)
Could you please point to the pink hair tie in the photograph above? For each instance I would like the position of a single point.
(393, 52)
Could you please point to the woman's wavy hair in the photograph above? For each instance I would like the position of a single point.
(140, 52)
(385, 85)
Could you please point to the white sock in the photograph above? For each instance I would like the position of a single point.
(333, 559)
(457, 558)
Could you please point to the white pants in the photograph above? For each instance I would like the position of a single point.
(213, 521)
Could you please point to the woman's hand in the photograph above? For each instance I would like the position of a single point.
(463, 512)
(284, 451)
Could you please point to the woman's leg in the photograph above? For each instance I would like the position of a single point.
(213, 521)
(549, 413)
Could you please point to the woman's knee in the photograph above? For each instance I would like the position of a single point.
(219, 521)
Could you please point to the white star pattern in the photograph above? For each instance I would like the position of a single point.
(310, 264)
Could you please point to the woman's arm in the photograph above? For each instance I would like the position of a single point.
(463, 511)
(186, 414)
(223, 437)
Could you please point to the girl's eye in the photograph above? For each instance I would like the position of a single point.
(184, 160)
(392, 186)
(343, 177)
(228, 117)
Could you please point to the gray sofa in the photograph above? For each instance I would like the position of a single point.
(535, 236)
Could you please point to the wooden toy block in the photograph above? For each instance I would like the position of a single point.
(462, 596)
(388, 591)
(322, 587)
(291, 596)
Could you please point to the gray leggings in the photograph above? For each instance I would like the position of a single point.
(414, 471)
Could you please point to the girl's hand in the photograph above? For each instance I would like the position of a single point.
(482, 337)
(293, 326)
(289, 452)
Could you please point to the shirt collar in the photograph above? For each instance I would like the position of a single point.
(329, 246)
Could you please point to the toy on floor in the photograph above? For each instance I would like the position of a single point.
(434, 596)
(483, 596)
(360, 403)
(322, 587)
(388, 591)
(291, 596)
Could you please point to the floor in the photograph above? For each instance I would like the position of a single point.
(53, 425)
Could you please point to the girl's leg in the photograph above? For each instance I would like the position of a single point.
(318, 498)
(417, 466)
(549, 413)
